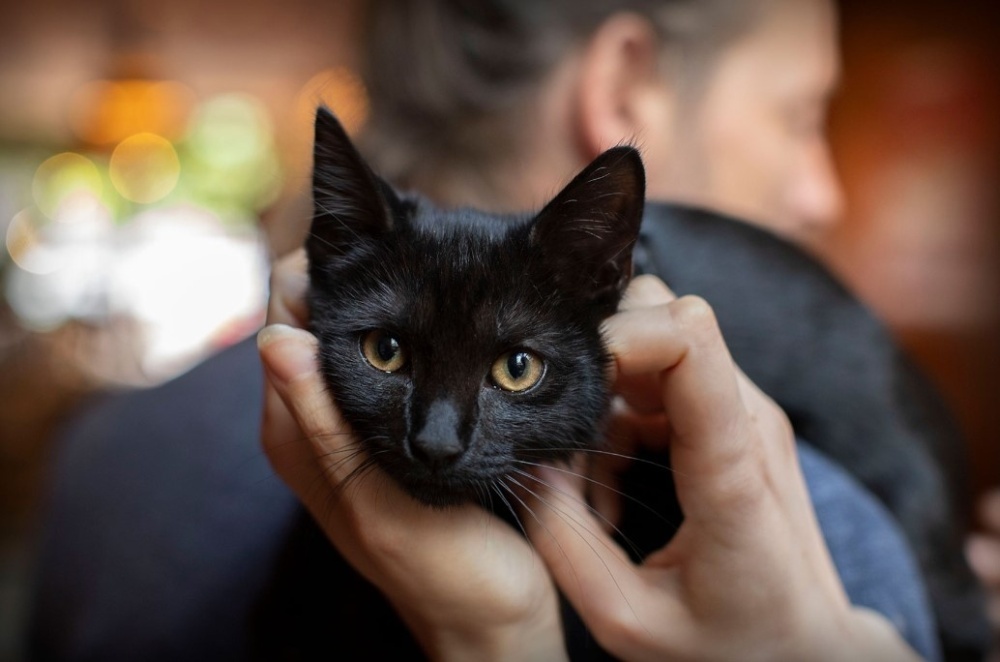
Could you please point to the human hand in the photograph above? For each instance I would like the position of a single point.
(983, 552)
(748, 574)
(467, 585)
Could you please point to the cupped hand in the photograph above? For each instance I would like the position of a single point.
(468, 586)
(747, 575)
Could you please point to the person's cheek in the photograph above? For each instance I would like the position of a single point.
(767, 173)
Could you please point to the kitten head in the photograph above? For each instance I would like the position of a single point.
(461, 346)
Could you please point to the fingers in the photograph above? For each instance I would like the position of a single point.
(641, 391)
(983, 550)
(989, 510)
(302, 434)
(627, 432)
(724, 434)
(681, 343)
(984, 557)
(595, 574)
(646, 291)
(289, 283)
(297, 406)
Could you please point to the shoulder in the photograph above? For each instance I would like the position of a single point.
(748, 273)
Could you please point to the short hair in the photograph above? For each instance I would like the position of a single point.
(449, 80)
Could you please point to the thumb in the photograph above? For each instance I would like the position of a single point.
(297, 405)
(593, 572)
(281, 437)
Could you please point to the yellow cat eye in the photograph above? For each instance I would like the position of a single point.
(383, 351)
(517, 371)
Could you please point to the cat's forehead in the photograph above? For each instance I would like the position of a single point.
(424, 215)
(463, 269)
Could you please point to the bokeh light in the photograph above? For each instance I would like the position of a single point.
(185, 277)
(62, 175)
(63, 264)
(105, 113)
(23, 244)
(231, 164)
(144, 168)
(340, 90)
(229, 130)
(186, 271)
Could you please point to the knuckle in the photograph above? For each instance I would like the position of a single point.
(288, 286)
(695, 313)
(647, 289)
(777, 429)
(740, 490)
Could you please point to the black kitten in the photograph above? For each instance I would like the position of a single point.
(458, 343)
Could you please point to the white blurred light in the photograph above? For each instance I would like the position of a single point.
(185, 278)
(63, 268)
(23, 245)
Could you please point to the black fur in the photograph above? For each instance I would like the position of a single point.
(458, 289)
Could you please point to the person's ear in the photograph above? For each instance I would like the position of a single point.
(621, 86)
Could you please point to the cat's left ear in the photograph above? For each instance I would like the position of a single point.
(351, 203)
(587, 232)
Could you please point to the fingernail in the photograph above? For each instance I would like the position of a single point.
(286, 351)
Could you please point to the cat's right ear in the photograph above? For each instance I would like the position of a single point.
(351, 204)
(587, 232)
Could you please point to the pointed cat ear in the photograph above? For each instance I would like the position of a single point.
(350, 203)
(588, 230)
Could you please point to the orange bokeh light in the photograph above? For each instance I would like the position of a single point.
(104, 113)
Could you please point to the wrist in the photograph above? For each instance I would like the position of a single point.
(537, 639)
(876, 639)
(506, 645)
(863, 634)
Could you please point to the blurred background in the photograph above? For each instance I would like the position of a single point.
(148, 149)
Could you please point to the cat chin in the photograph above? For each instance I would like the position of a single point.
(442, 495)
(443, 488)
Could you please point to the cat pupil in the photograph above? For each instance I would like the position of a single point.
(387, 348)
(517, 364)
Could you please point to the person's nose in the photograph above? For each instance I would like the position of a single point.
(815, 198)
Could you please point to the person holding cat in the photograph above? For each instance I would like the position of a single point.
(577, 562)
(726, 101)
(749, 545)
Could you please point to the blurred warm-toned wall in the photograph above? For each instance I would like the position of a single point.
(50, 48)
(916, 136)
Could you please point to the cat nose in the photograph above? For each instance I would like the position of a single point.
(438, 444)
